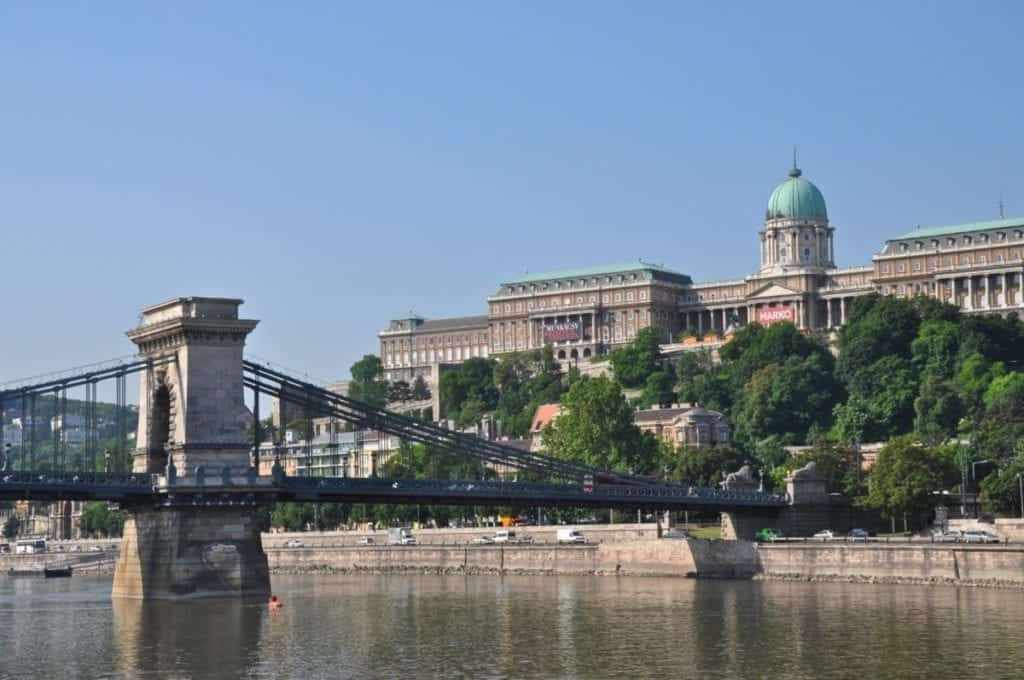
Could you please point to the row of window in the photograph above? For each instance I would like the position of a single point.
(948, 261)
(508, 307)
(965, 240)
(430, 356)
(573, 283)
(451, 340)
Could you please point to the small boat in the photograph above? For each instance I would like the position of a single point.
(57, 570)
(275, 603)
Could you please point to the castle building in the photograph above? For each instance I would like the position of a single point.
(979, 267)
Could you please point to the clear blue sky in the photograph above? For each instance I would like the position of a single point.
(338, 164)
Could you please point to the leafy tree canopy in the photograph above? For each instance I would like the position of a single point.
(906, 475)
(596, 429)
(639, 359)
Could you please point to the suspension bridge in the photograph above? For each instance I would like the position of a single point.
(193, 483)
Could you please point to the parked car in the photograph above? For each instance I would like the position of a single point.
(824, 534)
(570, 536)
(293, 543)
(951, 536)
(979, 536)
(767, 535)
(365, 540)
(858, 534)
(484, 540)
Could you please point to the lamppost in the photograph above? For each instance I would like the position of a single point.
(1020, 489)
(974, 477)
(106, 460)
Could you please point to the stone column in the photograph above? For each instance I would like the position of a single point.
(970, 293)
(1005, 302)
(828, 313)
(174, 549)
(700, 322)
(842, 311)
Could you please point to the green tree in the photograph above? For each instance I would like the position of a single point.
(292, 516)
(935, 350)
(367, 384)
(97, 519)
(526, 380)
(938, 410)
(658, 390)
(705, 466)
(12, 526)
(473, 382)
(1000, 491)
(786, 399)
(975, 375)
(399, 391)
(596, 428)
(1000, 432)
(906, 475)
(420, 390)
(835, 463)
(639, 359)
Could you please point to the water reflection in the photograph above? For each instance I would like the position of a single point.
(407, 626)
(205, 638)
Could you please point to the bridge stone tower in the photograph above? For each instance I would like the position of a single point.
(201, 537)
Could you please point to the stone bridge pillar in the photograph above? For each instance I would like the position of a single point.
(192, 432)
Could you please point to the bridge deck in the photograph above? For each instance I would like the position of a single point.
(144, 489)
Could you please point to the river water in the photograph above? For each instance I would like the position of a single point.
(413, 626)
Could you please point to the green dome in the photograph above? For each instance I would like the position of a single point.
(796, 199)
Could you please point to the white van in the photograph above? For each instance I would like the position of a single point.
(504, 536)
(571, 536)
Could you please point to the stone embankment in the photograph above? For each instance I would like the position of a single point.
(955, 564)
(642, 557)
(595, 533)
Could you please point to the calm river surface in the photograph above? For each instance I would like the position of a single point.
(515, 627)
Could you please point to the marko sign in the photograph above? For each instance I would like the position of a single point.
(766, 316)
(560, 332)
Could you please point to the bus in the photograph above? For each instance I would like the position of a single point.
(30, 546)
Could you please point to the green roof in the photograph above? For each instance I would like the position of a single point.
(925, 232)
(584, 272)
(796, 199)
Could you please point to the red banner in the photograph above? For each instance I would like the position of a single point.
(560, 332)
(766, 316)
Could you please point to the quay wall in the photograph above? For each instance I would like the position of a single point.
(888, 562)
(647, 557)
(595, 533)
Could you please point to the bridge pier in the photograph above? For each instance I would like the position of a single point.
(169, 553)
(197, 539)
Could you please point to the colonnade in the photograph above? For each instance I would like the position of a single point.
(1002, 290)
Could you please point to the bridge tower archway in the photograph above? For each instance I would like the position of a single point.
(161, 424)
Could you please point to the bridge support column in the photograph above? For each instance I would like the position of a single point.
(171, 553)
(192, 428)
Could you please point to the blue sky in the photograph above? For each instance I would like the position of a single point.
(338, 164)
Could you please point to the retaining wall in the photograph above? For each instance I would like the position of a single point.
(595, 533)
(652, 557)
(893, 562)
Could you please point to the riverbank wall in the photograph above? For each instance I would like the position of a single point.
(595, 533)
(893, 563)
(862, 562)
(643, 557)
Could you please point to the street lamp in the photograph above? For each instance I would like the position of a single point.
(106, 460)
(1020, 489)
